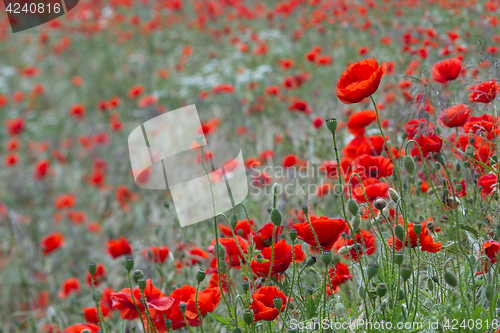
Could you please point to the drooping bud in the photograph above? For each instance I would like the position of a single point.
(394, 195)
(353, 207)
(200, 275)
(430, 226)
(311, 261)
(137, 275)
(129, 263)
(380, 204)
(293, 235)
(440, 159)
(326, 257)
(331, 124)
(399, 231)
(92, 268)
(381, 290)
(372, 270)
(409, 164)
(276, 217)
(450, 278)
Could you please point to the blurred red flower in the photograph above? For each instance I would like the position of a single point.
(118, 247)
(78, 328)
(360, 80)
(69, 286)
(98, 276)
(156, 254)
(51, 242)
(446, 70)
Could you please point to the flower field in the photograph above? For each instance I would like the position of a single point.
(369, 131)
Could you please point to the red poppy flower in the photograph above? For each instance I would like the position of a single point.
(78, 328)
(484, 92)
(91, 316)
(485, 123)
(359, 120)
(360, 80)
(64, 201)
(135, 91)
(491, 249)
(243, 229)
(181, 295)
(365, 243)
(425, 240)
(98, 276)
(124, 196)
(328, 231)
(69, 286)
(338, 275)
(51, 242)
(14, 126)
(374, 166)
(208, 300)
(233, 254)
(157, 303)
(374, 189)
(263, 305)
(488, 182)
(77, 111)
(263, 237)
(281, 260)
(289, 161)
(428, 144)
(455, 116)
(415, 128)
(118, 247)
(446, 70)
(106, 301)
(156, 254)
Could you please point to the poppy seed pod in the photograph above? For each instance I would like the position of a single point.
(326, 257)
(182, 307)
(406, 271)
(305, 209)
(141, 283)
(398, 258)
(247, 317)
(380, 204)
(409, 164)
(399, 231)
(381, 290)
(199, 140)
(92, 268)
(353, 207)
(278, 303)
(129, 263)
(394, 195)
(276, 217)
(417, 228)
(339, 310)
(245, 285)
(168, 324)
(431, 226)
(372, 270)
(311, 261)
(86, 331)
(233, 221)
(450, 278)
(237, 330)
(200, 275)
(331, 124)
(137, 275)
(293, 235)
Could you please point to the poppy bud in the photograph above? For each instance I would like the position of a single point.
(331, 124)
(326, 257)
(221, 251)
(372, 270)
(129, 263)
(246, 285)
(406, 271)
(381, 290)
(276, 217)
(141, 283)
(200, 275)
(361, 291)
(409, 164)
(488, 291)
(335, 260)
(311, 261)
(398, 258)
(92, 268)
(430, 284)
(237, 330)
(356, 221)
(380, 204)
(353, 207)
(394, 195)
(431, 226)
(168, 324)
(137, 275)
(233, 221)
(400, 232)
(293, 235)
(247, 317)
(467, 164)
(199, 140)
(339, 310)
(417, 228)
(440, 159)
(459, 187)
(305, 209)
(450, 278)
(278, 303)
(402, 295)
(458, 166)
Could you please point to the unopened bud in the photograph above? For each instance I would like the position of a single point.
(380, 204)
(409, 164)
(394, 195)
(353, 207)
(276, 217)
(311, 261)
